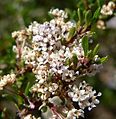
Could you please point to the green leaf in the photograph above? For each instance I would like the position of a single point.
(103, 59)
(68, 62)
(88, 17)
(27, 88)
(96, 49)
(96, 14)
(75, 59)
(89, 54)
(50, 76)
(80, 16)
(71, 33)
(74, 15)
(85, 45)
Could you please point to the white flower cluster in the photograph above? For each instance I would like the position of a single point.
(58, 13)
(46, 48)
(108, 9)
(47, 51)
(45, 89)
(19, 35)
(84, 95)
(74, 114)
(7, 79)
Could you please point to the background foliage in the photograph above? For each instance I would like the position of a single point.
(16, 14)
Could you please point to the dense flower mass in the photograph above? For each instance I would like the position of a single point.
(7, 79)
(106, 12)
(58, 54)
(49, 50)
(108, 9)
(84, 95)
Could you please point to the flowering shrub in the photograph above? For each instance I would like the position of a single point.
(57, 53)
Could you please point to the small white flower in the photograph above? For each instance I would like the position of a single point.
(84, 95)
(101, 24)
(111, 4)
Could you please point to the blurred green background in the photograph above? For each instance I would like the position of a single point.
(16, 14)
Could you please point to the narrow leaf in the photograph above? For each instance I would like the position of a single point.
(96, 49)
(103, 59)
(88, 16)
(75, 59)
(71, 33)
(27, 88)
(96, 14)
(89, 54)
(74, 15)
(85, 45)
(80, 16)
(68, 62)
